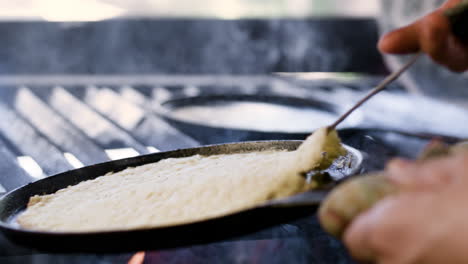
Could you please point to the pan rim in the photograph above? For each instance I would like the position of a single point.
(164, 108)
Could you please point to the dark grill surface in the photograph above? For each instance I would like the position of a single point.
(50, 125)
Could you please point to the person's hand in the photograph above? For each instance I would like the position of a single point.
(427, 222)
(432, 35)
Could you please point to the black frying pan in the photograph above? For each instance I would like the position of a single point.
(220, 133)
(236, 224)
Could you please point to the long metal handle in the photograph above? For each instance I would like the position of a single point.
(376, 90)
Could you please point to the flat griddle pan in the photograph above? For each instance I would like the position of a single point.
(221, 134)
(222, 228)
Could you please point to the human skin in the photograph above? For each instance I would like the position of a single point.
(426, 222)
(431, 35)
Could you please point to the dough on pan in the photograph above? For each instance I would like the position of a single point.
(180, 190)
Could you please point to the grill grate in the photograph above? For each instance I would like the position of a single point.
(57, 123)
(54, 125)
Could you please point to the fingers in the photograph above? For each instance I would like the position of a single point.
(357, 236)
(429, 175)
(402, 172)
(394, 231)
(450, 4)
(432, 35)
(419, 176)
(401, 228)
(456, 55)
(413, 176)
(402, 41)
(434, 31)
(437, 41)
(427, 34)
(380, 233)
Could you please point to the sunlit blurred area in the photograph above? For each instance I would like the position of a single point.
(189, 36)
(94, 10)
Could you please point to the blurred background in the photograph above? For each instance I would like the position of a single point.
(234, 36)
(88, 81)
(208, 36)
(93, 10)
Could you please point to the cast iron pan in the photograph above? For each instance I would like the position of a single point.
(221, 134)
(222, 228)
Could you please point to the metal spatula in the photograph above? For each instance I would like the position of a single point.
(392, 77)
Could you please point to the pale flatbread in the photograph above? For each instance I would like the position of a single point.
(179, 190)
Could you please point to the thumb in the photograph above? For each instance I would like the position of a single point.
(401, 41)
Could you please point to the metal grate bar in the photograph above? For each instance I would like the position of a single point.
(30, 143)
(95, 126)
(146, 127)
(56, 128)
(11, 175)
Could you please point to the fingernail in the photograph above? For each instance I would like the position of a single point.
(397, 164)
